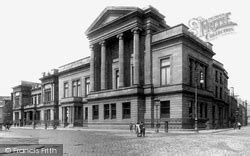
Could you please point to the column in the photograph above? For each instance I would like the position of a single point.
(103, 65)
(63, 115)
(136, 50)
(148, 57)
(121, 60)
(73, 115)
(52, 92)
(42, 94)
(92, 72)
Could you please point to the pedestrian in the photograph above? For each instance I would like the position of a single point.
(239, 125)
(131, 127)
(138, 130)
(143, 129)
(135, 128)
(235, 125)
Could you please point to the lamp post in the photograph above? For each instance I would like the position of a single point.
(196, 110)
(157, 104)
(199, 72)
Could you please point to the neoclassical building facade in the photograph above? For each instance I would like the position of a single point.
(140, 69)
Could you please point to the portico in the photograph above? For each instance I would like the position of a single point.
(119, 54)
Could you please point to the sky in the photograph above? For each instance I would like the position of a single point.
(39, 35)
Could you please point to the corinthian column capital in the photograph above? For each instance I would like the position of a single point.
(102, 43)
(136, 30)
(120, 36)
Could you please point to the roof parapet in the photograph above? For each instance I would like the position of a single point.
(74, 64)
(178, 30)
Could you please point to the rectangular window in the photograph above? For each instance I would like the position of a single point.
(74, 91)
(221, 78)
(126, 110)
(95, 112)
(47, 95)
(216, 91)
(106, 111)
(87, 86)
(220, 92)
(86, 113)
(165, 109)
(17, 100)
(47, 114)
(16, 115)
(39, 99)
(35, 100)
(78, 88)
(216, 76)
(190, 109)
(76, 85)
(117, 79)
(32, 100)
(165, 71)
(66, 89)
(113, 111)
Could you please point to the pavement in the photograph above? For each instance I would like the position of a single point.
(108, 142)
(149, 131)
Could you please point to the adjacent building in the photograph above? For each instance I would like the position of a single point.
(36, 104)
(48, 109)
(22, 107)
(5, 110)
(74, 85)
(140, 69)
(248, 112)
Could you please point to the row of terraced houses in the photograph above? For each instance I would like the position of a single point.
(140, 69)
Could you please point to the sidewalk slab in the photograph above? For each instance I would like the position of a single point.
(151, 131)
(8, 134)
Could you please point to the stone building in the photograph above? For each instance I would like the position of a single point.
(47, 107)
(5, 110)
(140, 69)
(242, 109)
(74, 84)
(137, 61)
(221, 96)
(22, 106)
(36, 104)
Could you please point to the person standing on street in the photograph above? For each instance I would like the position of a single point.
(130, 127)
(239, 125)
(143, 129)
(138, 130)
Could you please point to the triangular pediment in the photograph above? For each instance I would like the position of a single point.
(109, 15)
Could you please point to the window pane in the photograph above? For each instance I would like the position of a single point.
(163, 76)
(117, 78)
(86, 113)
(165, 109)
(95, 112)
(126, 110)
(106, 111)
(113, 111)
(168, 75)
(87, 85)
(165, 62)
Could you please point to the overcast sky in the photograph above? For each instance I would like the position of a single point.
(39, 35)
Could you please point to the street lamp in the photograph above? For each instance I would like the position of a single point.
(157, 104)
(199, 72)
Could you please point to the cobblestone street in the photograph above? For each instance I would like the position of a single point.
(89, 142)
